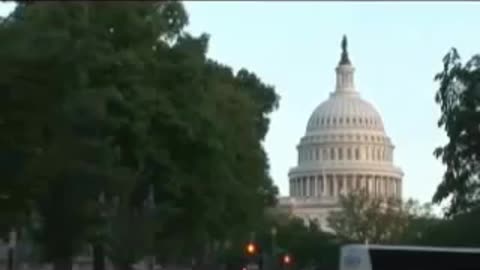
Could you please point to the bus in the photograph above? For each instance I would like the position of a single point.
(380, 257)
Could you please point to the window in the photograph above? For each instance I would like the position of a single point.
(349, 154)
(357, 153)
(332, 154)
(340, 153)
(324, 154)
(317, 153)
(347, 120)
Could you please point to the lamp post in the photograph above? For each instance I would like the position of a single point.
(150, 206)
(273, 233)
(11, 249)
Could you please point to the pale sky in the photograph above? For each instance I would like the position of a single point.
(395, 47)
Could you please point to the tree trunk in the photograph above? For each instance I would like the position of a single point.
(98, 257)
(63, 264)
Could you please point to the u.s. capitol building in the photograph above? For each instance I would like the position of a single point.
(345, 148)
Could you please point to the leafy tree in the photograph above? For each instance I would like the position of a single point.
(460, 230)
(363, 218)
(124, 103)
(459, 100)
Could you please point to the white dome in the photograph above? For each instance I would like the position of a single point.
(342, 112)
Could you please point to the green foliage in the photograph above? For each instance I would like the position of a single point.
(460, 230)
(116, 99)
(459, 100)
(363, 218)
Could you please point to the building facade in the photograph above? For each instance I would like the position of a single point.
(345, 148)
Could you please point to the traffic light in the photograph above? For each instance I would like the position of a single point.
(286, 259)
(251, 248)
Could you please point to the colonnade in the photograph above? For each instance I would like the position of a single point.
(334, 185)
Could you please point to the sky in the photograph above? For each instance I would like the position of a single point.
(396, 48)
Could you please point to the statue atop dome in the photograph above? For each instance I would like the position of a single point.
(344, 60)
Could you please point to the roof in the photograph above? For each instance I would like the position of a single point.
(413, 248)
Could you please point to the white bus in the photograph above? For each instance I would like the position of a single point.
(379, 257)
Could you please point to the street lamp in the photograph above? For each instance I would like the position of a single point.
(11, 249)
(251, 249)
(287, 259)
(273, 232)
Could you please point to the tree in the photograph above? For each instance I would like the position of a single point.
(363, 218)
(460, 230)
(459, 100)
(125, 103)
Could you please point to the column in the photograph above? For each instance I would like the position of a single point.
(326, 185)
(368, 185)
(308, 186)
(359, 178)
(300, 186)
(295, 186)
(335, 185)
(373, 185)
(384, 187)
(392, 187)
(290, 187)
(312, 185)
(304, 186)
(399, 188)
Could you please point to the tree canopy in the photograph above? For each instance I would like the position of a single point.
(363, 218)
(459, 99)
(108, 105)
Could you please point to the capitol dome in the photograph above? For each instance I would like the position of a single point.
(345, 148)
(342, 112)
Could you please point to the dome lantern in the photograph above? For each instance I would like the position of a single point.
(345, 83)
